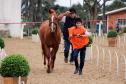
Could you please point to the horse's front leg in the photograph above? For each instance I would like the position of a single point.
(48, 66)
(53, 56)
(48, 55)
(44, 55)
(43, 51)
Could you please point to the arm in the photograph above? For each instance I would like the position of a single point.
(63, 14)
(70, 33)
(86, 34)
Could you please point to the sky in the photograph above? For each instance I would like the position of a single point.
(66, 3)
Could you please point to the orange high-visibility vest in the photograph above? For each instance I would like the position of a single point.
(78, 42)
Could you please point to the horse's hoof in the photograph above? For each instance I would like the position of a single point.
(48, 71)
(44, 63)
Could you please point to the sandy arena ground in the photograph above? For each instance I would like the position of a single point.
(63, 73)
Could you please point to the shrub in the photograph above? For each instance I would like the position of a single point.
(90, 41)
(112, 34)
(2, 45)
(14, 66)
(124, 30)
(35, 31)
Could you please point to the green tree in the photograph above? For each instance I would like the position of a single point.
(80, 11)
(115, 5)
(36, 10)
(92, 8)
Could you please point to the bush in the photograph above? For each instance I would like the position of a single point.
(112, 34)
(90, 41)
(14, 66)
(124, 30)
(35, 31)
(2, 45)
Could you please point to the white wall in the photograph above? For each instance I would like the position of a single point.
(11, 12)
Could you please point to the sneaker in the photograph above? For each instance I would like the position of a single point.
(72, 63)
(66, 60)
(76, 71)
(80, 72)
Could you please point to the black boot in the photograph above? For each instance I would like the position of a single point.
(76, 71)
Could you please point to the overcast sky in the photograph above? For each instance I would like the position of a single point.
(67, 2)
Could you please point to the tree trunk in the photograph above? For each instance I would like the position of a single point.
(93, 19)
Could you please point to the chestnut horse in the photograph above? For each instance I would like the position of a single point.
(50, 39)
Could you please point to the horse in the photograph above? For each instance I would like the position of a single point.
(50, 37)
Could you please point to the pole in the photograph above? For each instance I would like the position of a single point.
(42, 9)
(103, 10)
(103, 17)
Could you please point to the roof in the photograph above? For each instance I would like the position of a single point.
(114, 11)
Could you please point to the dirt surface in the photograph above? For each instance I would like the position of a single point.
(63, 73)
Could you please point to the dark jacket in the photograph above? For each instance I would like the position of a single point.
(69, 22)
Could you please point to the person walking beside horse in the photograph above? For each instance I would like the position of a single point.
(69, 20)
(78, 36)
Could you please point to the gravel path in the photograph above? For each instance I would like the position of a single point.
(63, 73)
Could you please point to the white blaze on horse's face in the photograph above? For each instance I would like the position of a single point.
(52, 24)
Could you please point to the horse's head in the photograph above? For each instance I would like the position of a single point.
(53, 23)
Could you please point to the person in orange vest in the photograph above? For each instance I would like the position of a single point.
(78, 36)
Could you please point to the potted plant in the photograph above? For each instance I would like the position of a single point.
(124, 31)
(2, 45)
(35, 36)
(14, 66)
(88, 48)
(112, 38)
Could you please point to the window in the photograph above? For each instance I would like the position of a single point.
(122, 22)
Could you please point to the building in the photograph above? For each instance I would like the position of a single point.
(10, 14)
(115, 17)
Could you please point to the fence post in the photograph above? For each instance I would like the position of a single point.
(2, 53)
(119, 41)
(110, 60)
(125, 66)
(98, 56)
(91, 53)
(117, 67)
(19, 80)
(103, 51)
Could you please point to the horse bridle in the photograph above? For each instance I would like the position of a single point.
(52, 24)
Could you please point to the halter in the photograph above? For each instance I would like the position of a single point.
(52, 24)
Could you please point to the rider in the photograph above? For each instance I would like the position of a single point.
(78, 36)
